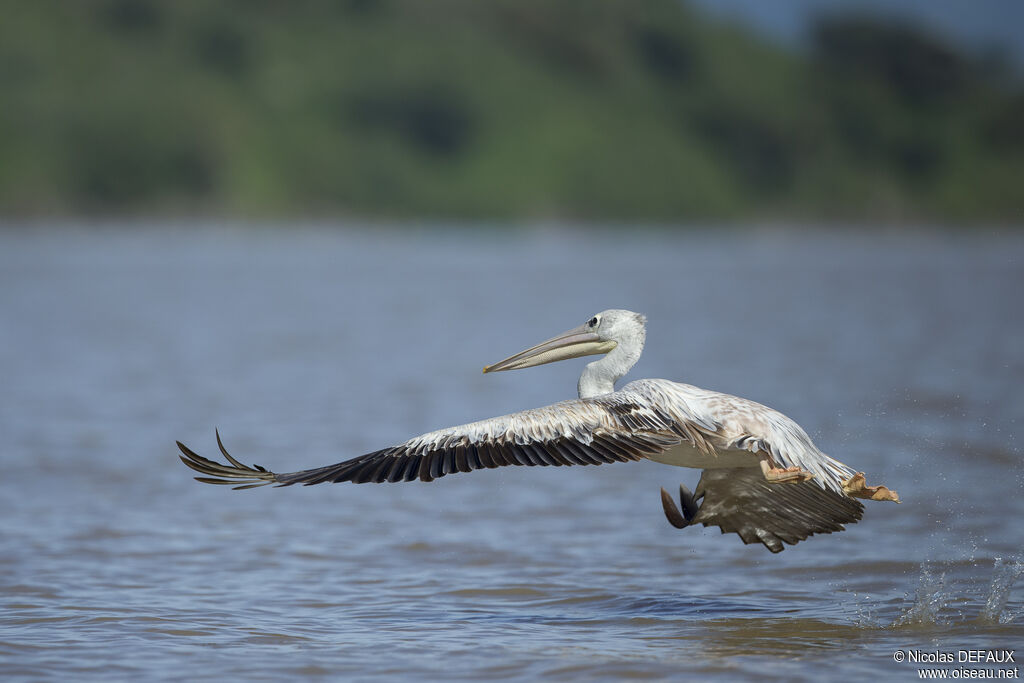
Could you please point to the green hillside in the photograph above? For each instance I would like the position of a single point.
(609, 110)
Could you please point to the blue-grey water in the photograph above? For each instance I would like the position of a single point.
(901, 355)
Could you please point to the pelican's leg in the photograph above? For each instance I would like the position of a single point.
(679, 518)
(783, 475)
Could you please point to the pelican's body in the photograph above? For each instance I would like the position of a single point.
(762, 477)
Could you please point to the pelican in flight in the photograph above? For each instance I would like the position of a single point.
(763, 478)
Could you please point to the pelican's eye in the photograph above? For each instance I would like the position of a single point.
(593, 321)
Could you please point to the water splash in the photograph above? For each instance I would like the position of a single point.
(1006, 574)
(866, 612)
(930, 598)
(934, 594)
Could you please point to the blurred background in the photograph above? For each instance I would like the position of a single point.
(310, 224)
(663, 111)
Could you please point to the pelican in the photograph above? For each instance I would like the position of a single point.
(763, 478)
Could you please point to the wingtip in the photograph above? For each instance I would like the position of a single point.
(672, 513)
(688, 503)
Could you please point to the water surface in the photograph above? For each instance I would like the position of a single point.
(900, 356)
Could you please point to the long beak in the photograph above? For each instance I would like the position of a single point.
(572, 344)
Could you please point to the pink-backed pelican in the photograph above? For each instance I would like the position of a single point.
(762, 478)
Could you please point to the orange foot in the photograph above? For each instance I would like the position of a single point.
(855, 488)
(788, 475)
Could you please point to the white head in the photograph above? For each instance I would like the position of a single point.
(619, 334)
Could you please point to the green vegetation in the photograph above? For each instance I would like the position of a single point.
(591, 109)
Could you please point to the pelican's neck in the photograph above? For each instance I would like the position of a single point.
(600, 376)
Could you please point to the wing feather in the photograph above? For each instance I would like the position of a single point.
(741, 501)
(617, 427)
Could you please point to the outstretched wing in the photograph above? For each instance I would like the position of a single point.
(617, 427)
(744, 502)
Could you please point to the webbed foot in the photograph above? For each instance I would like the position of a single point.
(784, 475)
(855, 488)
